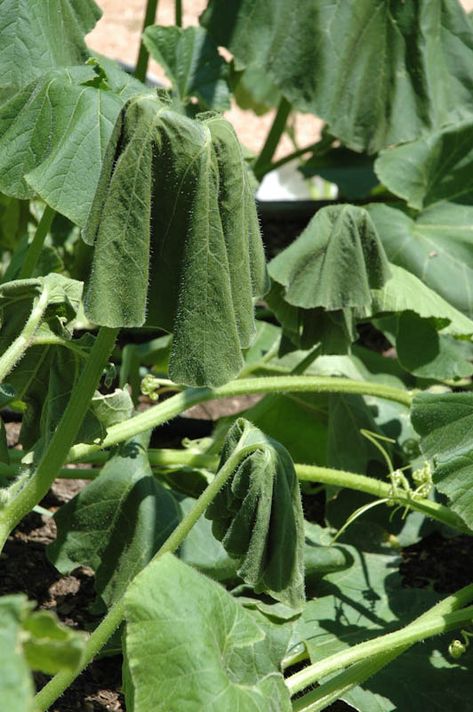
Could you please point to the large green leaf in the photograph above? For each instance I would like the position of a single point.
(39, 35)
(435, 246)
(191, 646)
(445, 423)
(54, 135)
(206, 260)
(258, 515)
(117, 523)
(435, 168)
(378, 72)
(192, 62)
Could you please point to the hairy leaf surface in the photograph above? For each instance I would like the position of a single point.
(190, 645)
(117, 523)
(206, 262)
(445, 421)
(258, 515)
(378, 72)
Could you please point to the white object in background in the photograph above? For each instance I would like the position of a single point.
(287, 183)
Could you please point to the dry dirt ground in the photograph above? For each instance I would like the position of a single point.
(117, 35)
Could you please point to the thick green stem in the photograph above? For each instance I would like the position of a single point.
(54, 689)
(380, 490)
(143, 54)
(276, 131)
(56, 452)
(306, 473)
(178, 12)
(34, 250)
(162, 412)
(18, 348)
(413, 633)
(358, 673)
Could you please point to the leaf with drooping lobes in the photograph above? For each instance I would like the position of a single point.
(206, 261)
(379, 73)
(338, 241)
(193, 64)
(190, 645)
(117, 523)
(39, 35)
(445, 423)
(258, 515)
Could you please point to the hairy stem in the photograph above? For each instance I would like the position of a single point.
(18, 348)
(420, 629)
(358, 673)
(34, 249)
(162, 412)
(56, 452)
(143, 54)
(54, 689)
(273, 138)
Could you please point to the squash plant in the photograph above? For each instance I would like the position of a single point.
(128, 208)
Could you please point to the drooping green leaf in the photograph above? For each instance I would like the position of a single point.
(253, 90)
(327, 274)
(436, 168)
(338, 240)
(379, 73)
(206, 260)
(435, 246)
(191, 61)
(258, 515)
(39, 35)
(117, 523)
(445, 423)
(190, 645)
(55, 134)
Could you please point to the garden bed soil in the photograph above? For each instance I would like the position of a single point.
(437, 562)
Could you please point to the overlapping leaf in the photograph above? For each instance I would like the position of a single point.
(369, 599)
(117, 523)
(435, 246)
(258, 515)
(445, 423)
(378, 72)
(190, 645)
(31, 641)
(54, 135)
(436, 168)
(39, 35)
(191, 61)
(206, 260)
